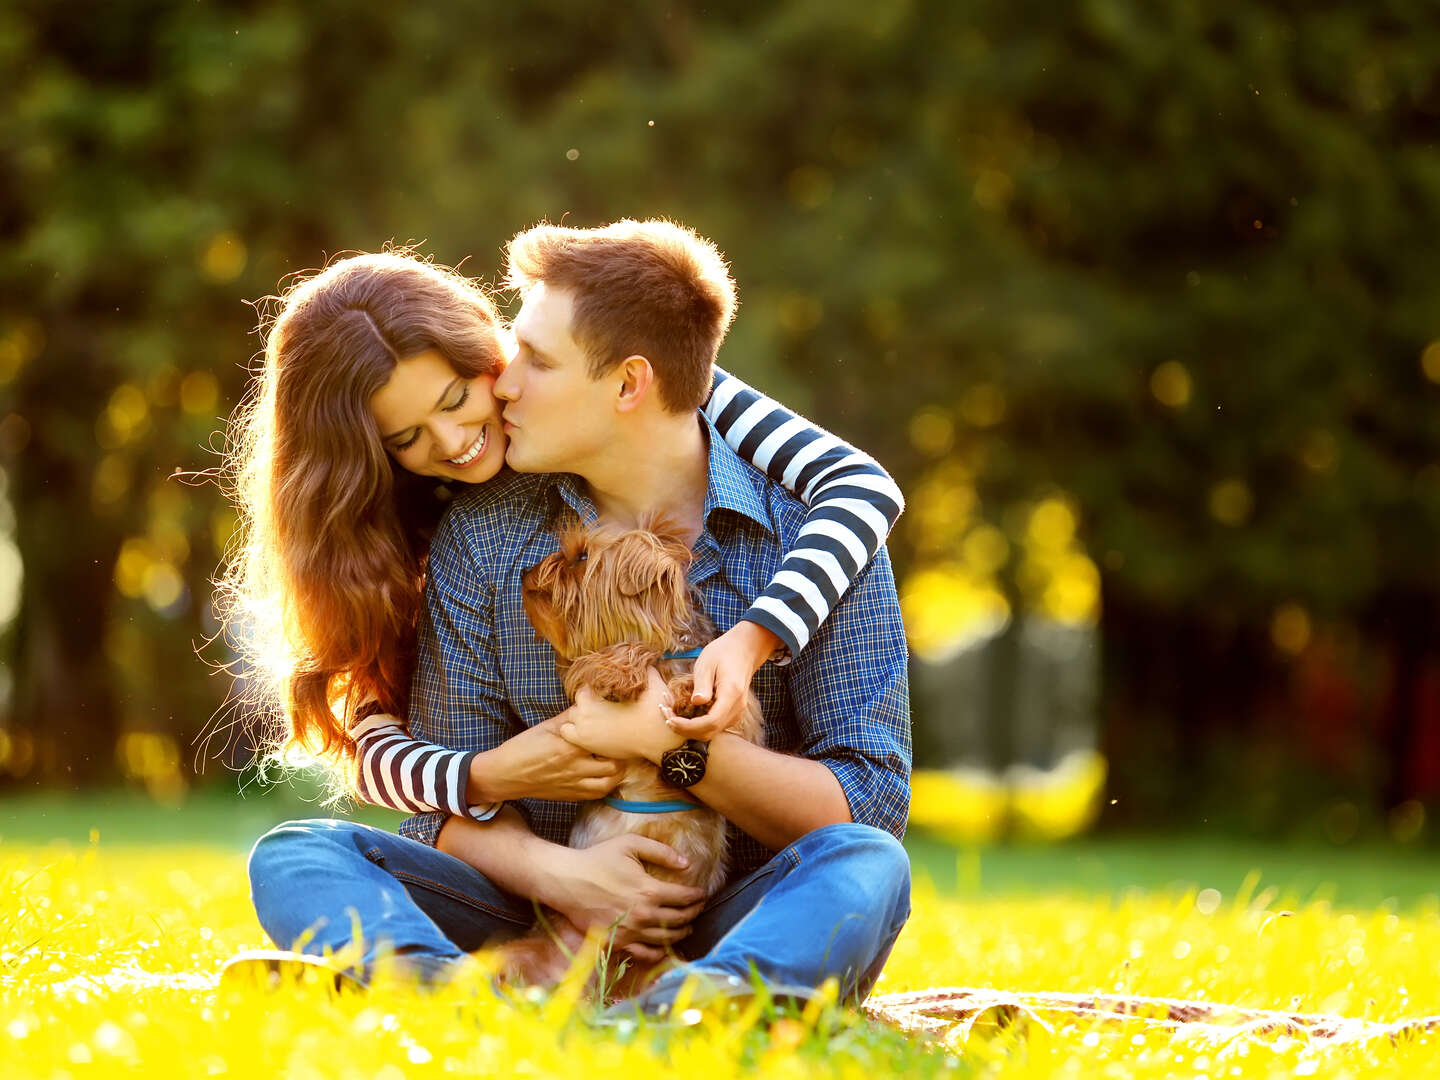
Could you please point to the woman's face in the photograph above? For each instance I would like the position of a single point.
(436, 422)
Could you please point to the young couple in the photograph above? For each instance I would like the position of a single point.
(384, 375)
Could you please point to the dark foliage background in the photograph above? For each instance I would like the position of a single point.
(1165, 271)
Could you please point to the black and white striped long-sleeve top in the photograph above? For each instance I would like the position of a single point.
(853, 506)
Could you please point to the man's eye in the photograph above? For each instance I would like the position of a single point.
(464, 397)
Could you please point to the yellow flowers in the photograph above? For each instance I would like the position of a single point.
(973, 806)
(108, 963)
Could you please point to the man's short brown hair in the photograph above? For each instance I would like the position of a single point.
(649, 288)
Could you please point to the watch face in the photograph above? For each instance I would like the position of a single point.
(684, 767)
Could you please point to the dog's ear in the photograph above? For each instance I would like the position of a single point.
(634, 576)
(641, 563)
(537, 594)
(651, 575)
(668, 536)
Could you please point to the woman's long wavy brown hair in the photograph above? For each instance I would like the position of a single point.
(320, 592)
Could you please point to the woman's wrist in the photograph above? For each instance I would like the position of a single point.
(484, 783)
(761, 641)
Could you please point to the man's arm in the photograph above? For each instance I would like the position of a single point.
(850, 690)
(604, 886)
(776, 798)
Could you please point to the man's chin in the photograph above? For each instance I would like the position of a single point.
(519, 459)
(518, 462)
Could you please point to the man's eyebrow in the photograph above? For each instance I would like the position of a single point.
(525, 343)
(440, 402)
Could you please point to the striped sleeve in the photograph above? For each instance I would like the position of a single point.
(853, 506)
(407, 774)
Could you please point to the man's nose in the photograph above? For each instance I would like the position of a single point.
(507, 387)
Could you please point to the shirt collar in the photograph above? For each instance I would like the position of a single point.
(734, 486)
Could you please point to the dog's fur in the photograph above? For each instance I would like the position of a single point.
(612, 602)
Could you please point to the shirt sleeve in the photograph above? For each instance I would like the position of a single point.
(457, 695)
(851, 693)
(402, 773)
(853, 504)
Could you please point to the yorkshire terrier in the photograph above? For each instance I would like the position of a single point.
(614, 603)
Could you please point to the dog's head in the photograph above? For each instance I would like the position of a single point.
(607, 585)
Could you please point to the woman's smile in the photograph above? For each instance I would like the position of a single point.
(473, 451)
(437, 422)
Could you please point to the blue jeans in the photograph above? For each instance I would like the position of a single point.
(830, 904)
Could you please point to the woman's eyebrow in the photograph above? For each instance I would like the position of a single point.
(438, 404)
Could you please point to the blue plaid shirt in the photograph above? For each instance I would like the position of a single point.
(482, 675)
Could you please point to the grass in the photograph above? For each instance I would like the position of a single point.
(108, 951)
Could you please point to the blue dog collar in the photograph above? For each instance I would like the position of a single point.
(688, 654)
(659, 806)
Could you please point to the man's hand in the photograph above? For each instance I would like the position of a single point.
(624, 730)
(541, 764)
(607, 886)
(722, 678)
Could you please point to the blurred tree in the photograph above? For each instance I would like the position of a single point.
(1156, 266)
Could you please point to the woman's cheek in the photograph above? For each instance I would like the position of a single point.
(495, 454)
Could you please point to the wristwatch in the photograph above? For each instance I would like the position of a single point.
(684, 766)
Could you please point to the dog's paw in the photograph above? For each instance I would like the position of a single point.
(682, 689)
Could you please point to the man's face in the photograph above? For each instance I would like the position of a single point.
(556, 417)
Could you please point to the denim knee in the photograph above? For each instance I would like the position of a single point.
(284, 842)
(880, 865)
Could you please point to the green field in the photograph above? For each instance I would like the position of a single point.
(1091, 866)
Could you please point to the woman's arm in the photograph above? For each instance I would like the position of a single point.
(404, 773)
(408, 774)
(853, 504)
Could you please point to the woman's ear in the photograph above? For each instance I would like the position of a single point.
(637, 377)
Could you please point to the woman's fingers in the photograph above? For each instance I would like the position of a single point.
(706, 726)
(703, 682)
(693, 727)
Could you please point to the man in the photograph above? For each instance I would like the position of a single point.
(615, 342)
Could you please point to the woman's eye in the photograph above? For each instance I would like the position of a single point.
(400, 448)
(464, 397)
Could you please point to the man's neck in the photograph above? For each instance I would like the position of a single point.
(660, 469)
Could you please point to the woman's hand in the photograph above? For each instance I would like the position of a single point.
(541, 764)
(722, 678)
(624, 730)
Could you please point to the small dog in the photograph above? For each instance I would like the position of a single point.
(613, 603)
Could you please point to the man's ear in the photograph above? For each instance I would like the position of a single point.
(637, 380)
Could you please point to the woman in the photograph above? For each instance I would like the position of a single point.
(323, 588)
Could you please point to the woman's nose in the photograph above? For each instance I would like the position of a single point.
(452, 442)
